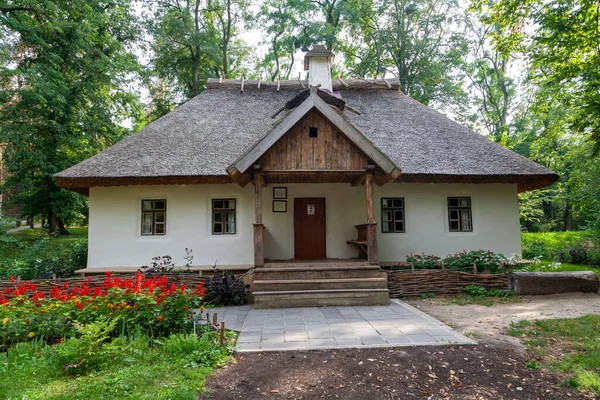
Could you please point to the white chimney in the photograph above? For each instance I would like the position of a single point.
(318, 64)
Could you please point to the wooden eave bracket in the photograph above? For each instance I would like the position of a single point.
(238, 177)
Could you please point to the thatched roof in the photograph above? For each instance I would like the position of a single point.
(198, 141)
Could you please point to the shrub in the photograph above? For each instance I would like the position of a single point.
(149, 306)
(479, 291)
(549, 245)
(224, 288)
(43, 258)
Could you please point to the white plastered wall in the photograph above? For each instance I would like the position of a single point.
(115, 218)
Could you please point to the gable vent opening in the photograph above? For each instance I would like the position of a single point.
(313, 131)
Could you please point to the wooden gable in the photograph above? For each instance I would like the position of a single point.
(330, 150)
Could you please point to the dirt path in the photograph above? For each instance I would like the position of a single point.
(450, 372)
(495, 369)
(489, 324)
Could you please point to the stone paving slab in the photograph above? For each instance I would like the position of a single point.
(312, 328)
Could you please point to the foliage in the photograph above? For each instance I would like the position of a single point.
(145, 305)
(476, 290)
(32, 254)
(418, 41)
(224, 288)
(124, 367)
(571, 346)
(63, 96)
(549, 245)
(485, 260)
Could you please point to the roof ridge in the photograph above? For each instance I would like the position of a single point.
(338, 84)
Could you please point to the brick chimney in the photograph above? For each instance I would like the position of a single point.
(318, 64)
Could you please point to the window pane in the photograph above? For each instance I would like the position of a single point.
(218, 217)
(385, 227)
(465, 214)
(453, 214)
(159, 205)
(147, 218)
(454, 226)
(466, 225)
(230, 227)
(230, 216)
(230, 204)
(146, 205)
(464, 202)
(453, 202)
(397, 202)
(218, 227)
(147, 229)
(159, 229)
(218, 204)
(160, 217)
(399, 227)
(387, 216)
(398, 215)
(385, 203)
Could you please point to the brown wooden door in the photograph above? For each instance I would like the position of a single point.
(309, 228)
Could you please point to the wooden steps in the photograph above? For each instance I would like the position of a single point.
(319, 284)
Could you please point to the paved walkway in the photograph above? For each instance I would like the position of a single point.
(335, 327)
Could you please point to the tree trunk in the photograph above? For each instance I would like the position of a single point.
(56, 225)
(553, 282)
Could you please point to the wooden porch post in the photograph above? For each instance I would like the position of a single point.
(372, 253)
(259, 253)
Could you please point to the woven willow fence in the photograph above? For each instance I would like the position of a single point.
(408, 283)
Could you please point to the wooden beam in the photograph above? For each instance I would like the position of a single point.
(238, 177)
(259, 254)
(372, 256)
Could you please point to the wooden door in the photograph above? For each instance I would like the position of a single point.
(309, 228)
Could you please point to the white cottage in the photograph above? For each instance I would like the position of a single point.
(322, 181)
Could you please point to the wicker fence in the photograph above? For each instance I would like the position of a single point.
(408, 283)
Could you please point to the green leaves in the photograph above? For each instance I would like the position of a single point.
(67, 64)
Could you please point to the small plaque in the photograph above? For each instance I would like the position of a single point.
(279, 206)
(280, 193)
(310, 209)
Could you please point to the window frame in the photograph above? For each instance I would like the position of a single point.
(459, 208)
(393, 210)
(153, 211)
(223, 212)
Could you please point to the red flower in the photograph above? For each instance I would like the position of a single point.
(159, 318)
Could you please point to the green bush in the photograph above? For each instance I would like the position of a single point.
(479, 291)
(43, 258)
(485, 260)
(548, 245)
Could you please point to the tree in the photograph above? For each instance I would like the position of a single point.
(191, 41)
(63, 99)
(494, 91)
(415, 40)
(561, 40)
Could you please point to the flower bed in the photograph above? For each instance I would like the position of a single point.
(483, 260)
(151, 306)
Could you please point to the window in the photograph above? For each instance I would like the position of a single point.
(459, 214)
(392, 215)
(154, 217)
(223, 217)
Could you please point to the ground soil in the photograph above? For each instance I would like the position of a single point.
(494, 369)
(489, 324)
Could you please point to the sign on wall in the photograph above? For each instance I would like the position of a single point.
(310, 209)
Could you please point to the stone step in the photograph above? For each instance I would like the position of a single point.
(321, 298)
(319, 284)
(295, 273)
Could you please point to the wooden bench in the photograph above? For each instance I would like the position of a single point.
(361, 242)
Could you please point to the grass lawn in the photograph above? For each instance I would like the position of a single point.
(568, 346)
(549, 266)
(142, 368)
